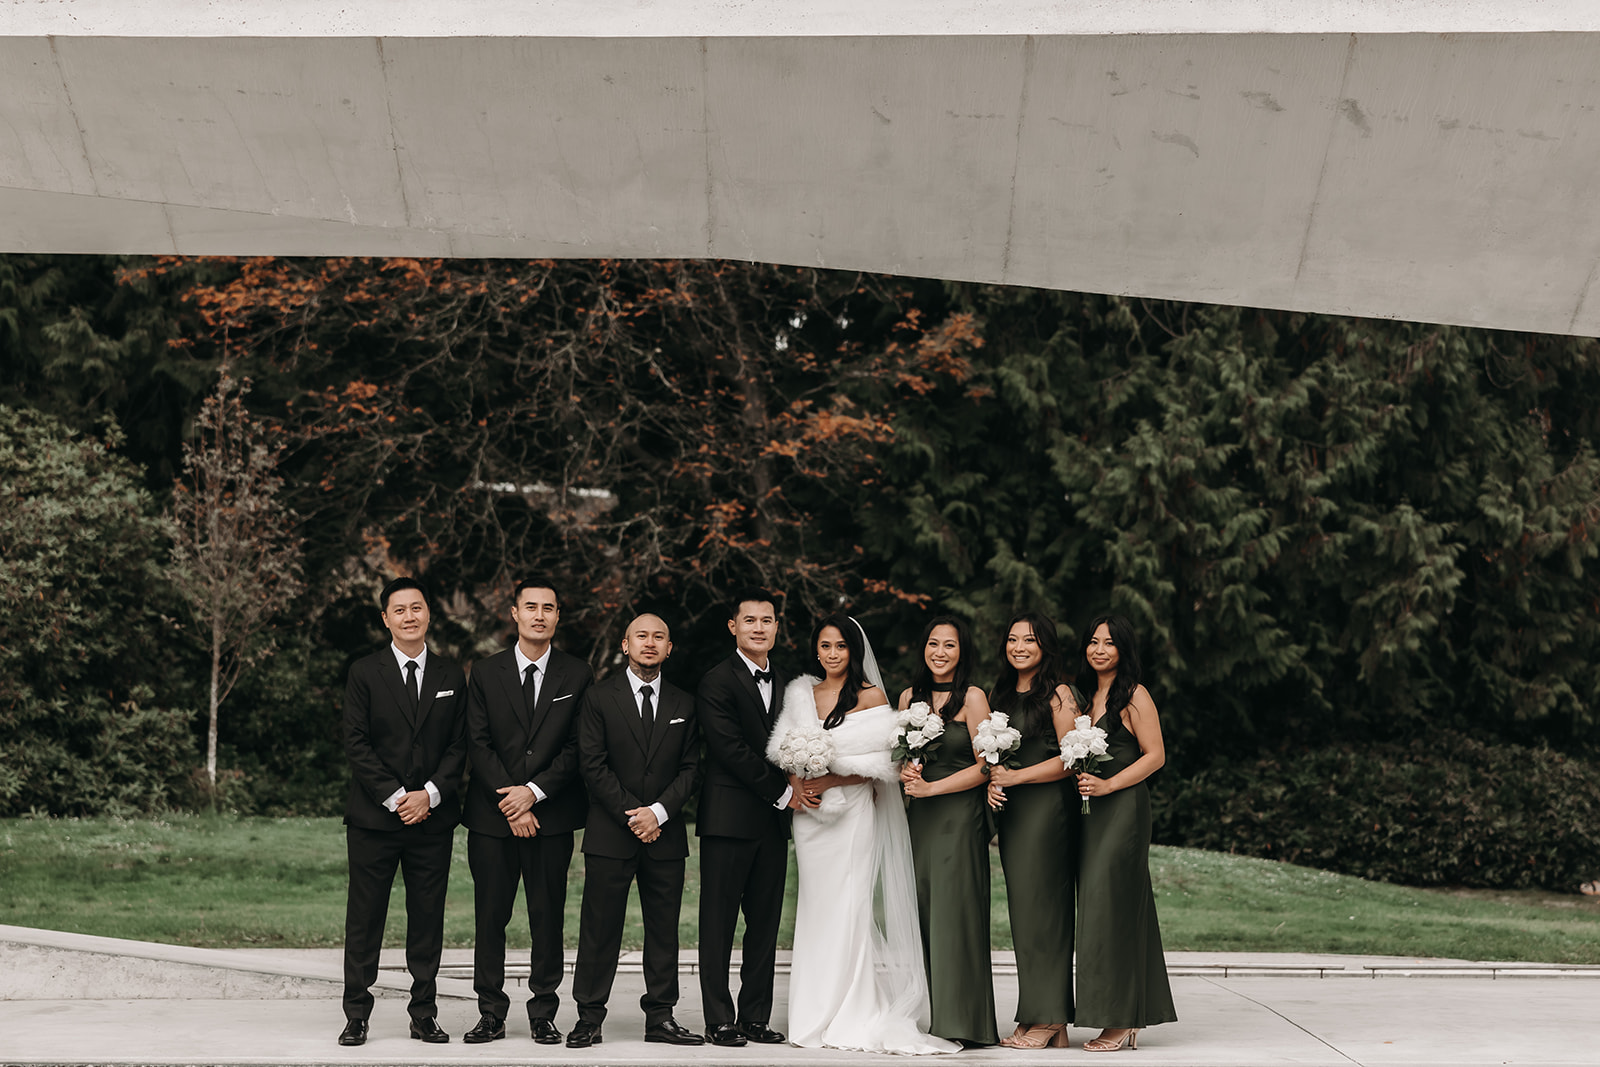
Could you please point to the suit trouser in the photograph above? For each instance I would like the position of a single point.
(424, 859)
(498, 863)
(605, 905)
(735, 874)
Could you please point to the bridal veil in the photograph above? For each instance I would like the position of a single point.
(902, 981)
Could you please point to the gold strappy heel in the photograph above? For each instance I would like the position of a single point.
(1129, 1039)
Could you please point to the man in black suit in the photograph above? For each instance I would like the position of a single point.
(743, 825)
(404, 716)
(523, 803)
(637, 748)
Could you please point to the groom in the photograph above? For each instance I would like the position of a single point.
(743, 825)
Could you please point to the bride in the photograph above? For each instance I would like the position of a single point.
(857, 979)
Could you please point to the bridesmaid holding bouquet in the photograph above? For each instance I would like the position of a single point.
(950, 840)
(1122, 972)
(1038, 829)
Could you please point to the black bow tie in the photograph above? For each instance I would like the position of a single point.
(763, 676)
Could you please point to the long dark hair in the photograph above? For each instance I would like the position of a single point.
(1128, 670)
(855, 672)
(1030, 711)
(922, 681)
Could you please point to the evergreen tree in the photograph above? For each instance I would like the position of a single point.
(1322, 527)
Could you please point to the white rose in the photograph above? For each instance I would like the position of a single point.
(933, 727)
(1097, 747)
(1082, 722)
(916, 739)
(1000, 719)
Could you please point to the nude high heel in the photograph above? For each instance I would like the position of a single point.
(1129, 1039)
(1044, 1035)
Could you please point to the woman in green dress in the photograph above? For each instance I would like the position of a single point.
(1122, 973)
(1038, 830)
(950, 840)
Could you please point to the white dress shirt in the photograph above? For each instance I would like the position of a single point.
(638, 705)
(765, 689)
(393, 803)
(543, 663)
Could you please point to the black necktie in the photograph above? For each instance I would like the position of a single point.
(647, 713)
(411, 683)
(530, 685)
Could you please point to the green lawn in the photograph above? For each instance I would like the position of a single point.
(231, 882)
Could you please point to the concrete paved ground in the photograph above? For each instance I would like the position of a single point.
(1236, 1009)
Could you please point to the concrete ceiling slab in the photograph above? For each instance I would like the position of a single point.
(1425, 159)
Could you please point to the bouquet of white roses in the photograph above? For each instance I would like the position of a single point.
(1083, 748)
(917, 730)
(996, 740)
(805, 752)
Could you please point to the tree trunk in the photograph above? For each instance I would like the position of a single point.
(211, 732)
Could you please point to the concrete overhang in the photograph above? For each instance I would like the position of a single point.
(1425, 160)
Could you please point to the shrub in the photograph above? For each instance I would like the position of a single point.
(1447, 810)
(83, 645)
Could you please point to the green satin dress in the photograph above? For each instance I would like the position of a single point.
(1122, 972)
(950, 851)
(1038, 850)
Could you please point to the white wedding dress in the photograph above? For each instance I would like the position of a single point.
(857, 979)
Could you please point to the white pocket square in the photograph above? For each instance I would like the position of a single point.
(563, 696)
(674, 722)
(444, 693)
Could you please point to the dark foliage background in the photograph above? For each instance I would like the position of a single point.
(1441, 810)
(1351, 547)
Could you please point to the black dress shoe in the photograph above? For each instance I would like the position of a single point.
(759, 1033)
(545, 1032)
(428, 1030)
(488, 1029)
(727, 1035)
(583, 1035)
(354, 1033)
(668, 1032)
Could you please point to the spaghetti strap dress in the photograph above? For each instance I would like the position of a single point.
(1038, 851)
(950, 853)
(1122, 972)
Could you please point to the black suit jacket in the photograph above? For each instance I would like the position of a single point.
(391, 747)
(623, 771)
(740, 786)
(508, 746)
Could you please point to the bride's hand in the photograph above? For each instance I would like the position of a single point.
(801, 793)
